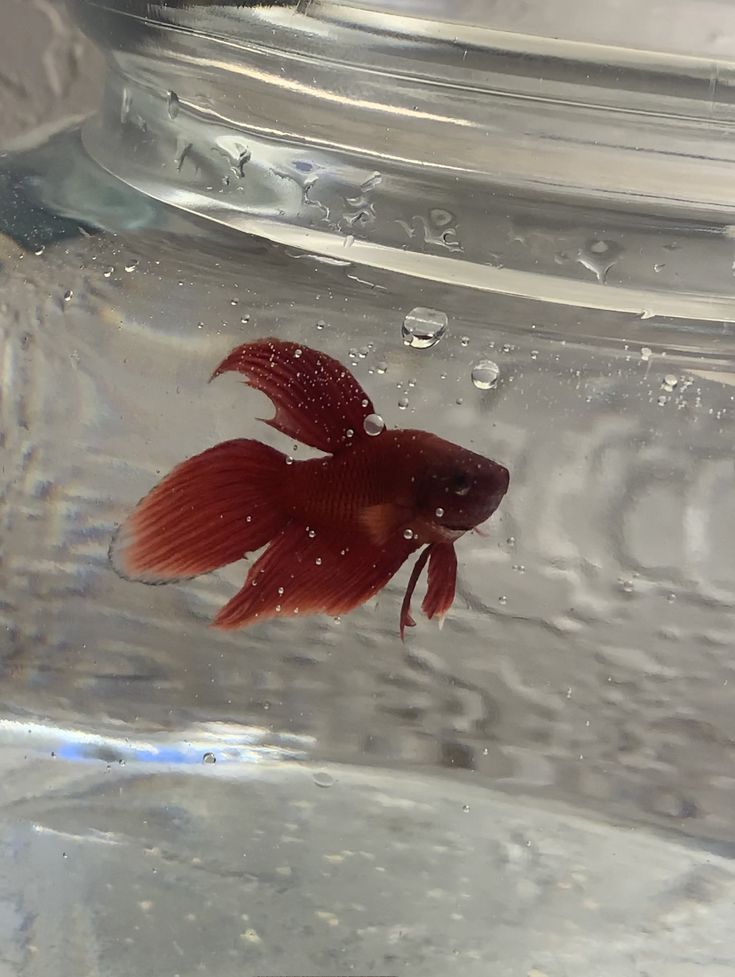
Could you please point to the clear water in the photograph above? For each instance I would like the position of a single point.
(545, 786)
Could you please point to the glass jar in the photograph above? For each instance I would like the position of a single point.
(513, 224)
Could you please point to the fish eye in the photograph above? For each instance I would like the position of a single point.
(460, 484)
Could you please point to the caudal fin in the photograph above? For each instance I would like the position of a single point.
(209, 511)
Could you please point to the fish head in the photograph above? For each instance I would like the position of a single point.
(459, 489)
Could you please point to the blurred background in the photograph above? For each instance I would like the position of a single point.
(48, 70)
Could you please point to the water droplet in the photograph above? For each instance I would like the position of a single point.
(671, 598)
(599, 257)
(511, 541)
(503, 599)
(466, 808)
(441, 217)
(298, 352)
(182, 150)
(280, 591)
(485, 375)
(311, 533)
(669, 382)
(173, 105)
(109, 271)
(318, 561)
(423, 328)
(209, 758)
(374, 425)
(646, 353)
(131, 265)
(519, 568)
(465, 340)
(659, 266)
(244, 320)
(626, 586)
(459, 401)
(323, 779)
(534, 354)
(382, 367)
(40, 249)
(403, 403)
(289, 460)
(320, 324)
(349, 433)
(662, 400)
(439, 512)
(68, 295)
(408, 534)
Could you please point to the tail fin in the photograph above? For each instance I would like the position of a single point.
(209, 511)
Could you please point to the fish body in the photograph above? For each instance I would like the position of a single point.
(337, 527)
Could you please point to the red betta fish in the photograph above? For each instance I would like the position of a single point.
(338, 527)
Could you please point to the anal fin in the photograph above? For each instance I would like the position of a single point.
(324, 574)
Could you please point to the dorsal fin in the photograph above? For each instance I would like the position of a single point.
(317, 400)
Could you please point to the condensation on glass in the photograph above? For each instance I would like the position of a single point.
(514, 224)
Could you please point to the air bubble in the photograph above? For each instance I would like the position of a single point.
(298, 352)
(403, 403)
(485, 375)
(318, 561)
(373, 425)
(382, 367)
(108, 272)
(439, 512)
(465, 340)
(131, 265)
(40, 249)
(646, 353)
(408, 534)
(669, 382)
(323, 779)
(311, 533)
(68, 295)
(209, 758)
(423, 328)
